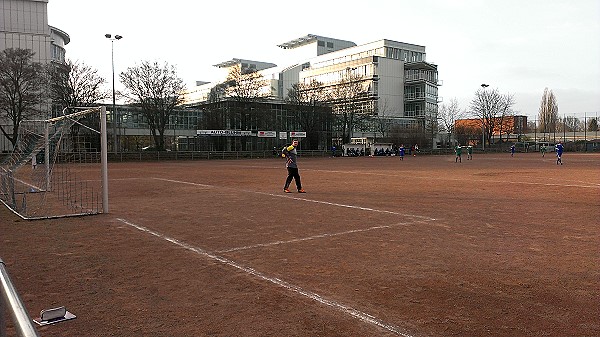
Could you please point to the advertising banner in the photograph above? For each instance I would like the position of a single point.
(234, 133)
(297, 134)
(269, 134)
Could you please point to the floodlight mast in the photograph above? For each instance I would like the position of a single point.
(483, 85)
(114, 105)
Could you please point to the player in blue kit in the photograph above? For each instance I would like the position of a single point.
(559, 151)
(401, 152)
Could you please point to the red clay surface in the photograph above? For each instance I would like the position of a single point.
(497, 246)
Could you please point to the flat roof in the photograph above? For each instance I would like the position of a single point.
(301, 41)
(61, 33)
(236, 61)
(420, 64)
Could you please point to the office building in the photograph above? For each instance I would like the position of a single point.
(400, 85)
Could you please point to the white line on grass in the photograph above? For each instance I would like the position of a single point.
(362, 316)
(301, 199)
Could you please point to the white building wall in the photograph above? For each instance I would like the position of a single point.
(390, 87)
(289, 77)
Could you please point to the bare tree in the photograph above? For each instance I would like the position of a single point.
(492, 109)
(593, 124)
(77, 85)
(570, 124)
(383, 122)
(309, 100)
(246, 84)
(548, 112)
(158, 91)
(346, 99)
(448, 115)
(22, 89)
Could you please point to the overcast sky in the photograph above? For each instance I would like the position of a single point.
(519, 47)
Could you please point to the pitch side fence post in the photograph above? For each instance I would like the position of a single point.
(23, 324)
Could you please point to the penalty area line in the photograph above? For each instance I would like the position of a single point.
(362, 316)
(300, 199)
(314, 237)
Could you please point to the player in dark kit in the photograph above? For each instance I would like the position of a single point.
(289, 152)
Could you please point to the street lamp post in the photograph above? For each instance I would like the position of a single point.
(114, 105)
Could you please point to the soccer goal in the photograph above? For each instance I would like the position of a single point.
(51, 174)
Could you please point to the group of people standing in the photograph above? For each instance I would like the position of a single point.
(458, 153)
(291, 163)
(559, 148)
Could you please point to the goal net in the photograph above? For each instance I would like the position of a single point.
(50, 174)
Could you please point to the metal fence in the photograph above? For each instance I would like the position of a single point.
(202, 155)
(94, 157)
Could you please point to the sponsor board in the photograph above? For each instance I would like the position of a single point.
(269, 134)
(297, 134)
(234, 133)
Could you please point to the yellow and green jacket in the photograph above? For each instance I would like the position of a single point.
(290, 153)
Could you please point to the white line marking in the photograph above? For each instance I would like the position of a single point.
(588, 184)
(28, 184)
(184, 182)
(364, 317)
(301, 199)
(593, 185)
(320, 236)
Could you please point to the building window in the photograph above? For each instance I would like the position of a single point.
(329, 44)
(58, 53)
(321, 43)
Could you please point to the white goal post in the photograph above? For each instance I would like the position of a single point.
(49, 174)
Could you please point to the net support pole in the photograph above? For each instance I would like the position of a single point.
(104, 159)
(47, 154)
(13, 303)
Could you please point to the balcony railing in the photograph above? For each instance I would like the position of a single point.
(421, 96)
(414, 96)
(420, 77)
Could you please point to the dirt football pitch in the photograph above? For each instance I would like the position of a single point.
(495, 246)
